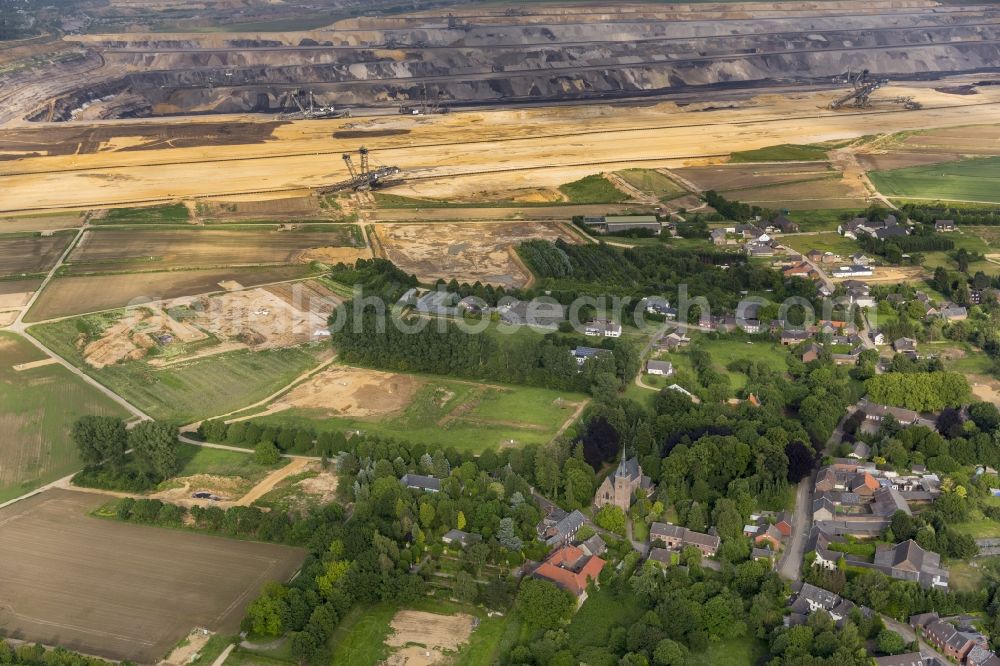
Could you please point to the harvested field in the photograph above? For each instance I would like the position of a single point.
(36, 446)
(967, 140)
(351, 392)
(420, 637)
(804, 195)
(67, 296)
(739, 176)
(10, 225)
(31, 254)
(901, 160)
(158, 249)
(120, 590)
(16, 293)
(466, 252)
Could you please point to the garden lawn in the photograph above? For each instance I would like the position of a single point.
(827, 241)
(736, 652)
(600, 612)
(724, 352)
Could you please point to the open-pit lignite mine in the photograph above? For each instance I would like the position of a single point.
(489, 56)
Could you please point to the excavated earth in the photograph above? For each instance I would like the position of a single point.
(490, 56)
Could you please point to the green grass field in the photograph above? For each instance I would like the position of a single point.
(962, 357)
(652, 182)
(191, 390)
(359, 640)
(971, 242)
(786, 152)
(825, 219)
(593, 189)
(966, 180)
(219, 462)
(454, 413)
(171, 214)
(724, 352)
(828, 241)
(37, 409)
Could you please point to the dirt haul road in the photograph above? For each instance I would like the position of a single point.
(474, 153)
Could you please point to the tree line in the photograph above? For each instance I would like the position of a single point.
(102, 442)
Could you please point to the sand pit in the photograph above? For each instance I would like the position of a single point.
(468, 252)
(423, 637)
(255, 319)
(353, 392)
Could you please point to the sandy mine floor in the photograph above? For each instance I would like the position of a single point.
(458, 155)
(467, 252)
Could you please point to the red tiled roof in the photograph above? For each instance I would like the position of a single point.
(558, 568)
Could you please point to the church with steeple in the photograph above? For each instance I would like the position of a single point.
(619, 488)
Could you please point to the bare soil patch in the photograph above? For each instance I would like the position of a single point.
(466, 252)
(985, 388)
(731, 177)
(422, 637)
(120, 590)
(192, 645)
(10, 225)
(17, 293)
(255, 318)
(352, 392)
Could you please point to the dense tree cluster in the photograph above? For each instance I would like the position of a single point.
(442, 348)
(375, 277)
(640, 271)
(102, 442)
(922, 392)
(962, 215)
(28, 654)
(263, 438)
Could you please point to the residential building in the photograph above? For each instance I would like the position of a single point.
(861, 451)
(662, 368)
(904, 346)
(594, 546)
(420, 482)
(908, 561)
(603, 328)
(783, 224)
(660, 306)
(860, 259)
(944, 225)
(953, 312)
(852, 271)
(980, 655)
(461, 538)
(581, 354)
(570, 568)
(676, 537)
(951, 642)
(790, 338)
(811, 353)
(674, 341)
(810, 599)
(718, 237)
(802, 270)
(559, 527)
(620, 487)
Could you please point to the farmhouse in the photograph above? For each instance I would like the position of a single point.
(908, 561)
(676, 537)
(619, 488)
(783, 224)
(570, 568)
(662, 368)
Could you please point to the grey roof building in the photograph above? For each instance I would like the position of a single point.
(421, 482)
